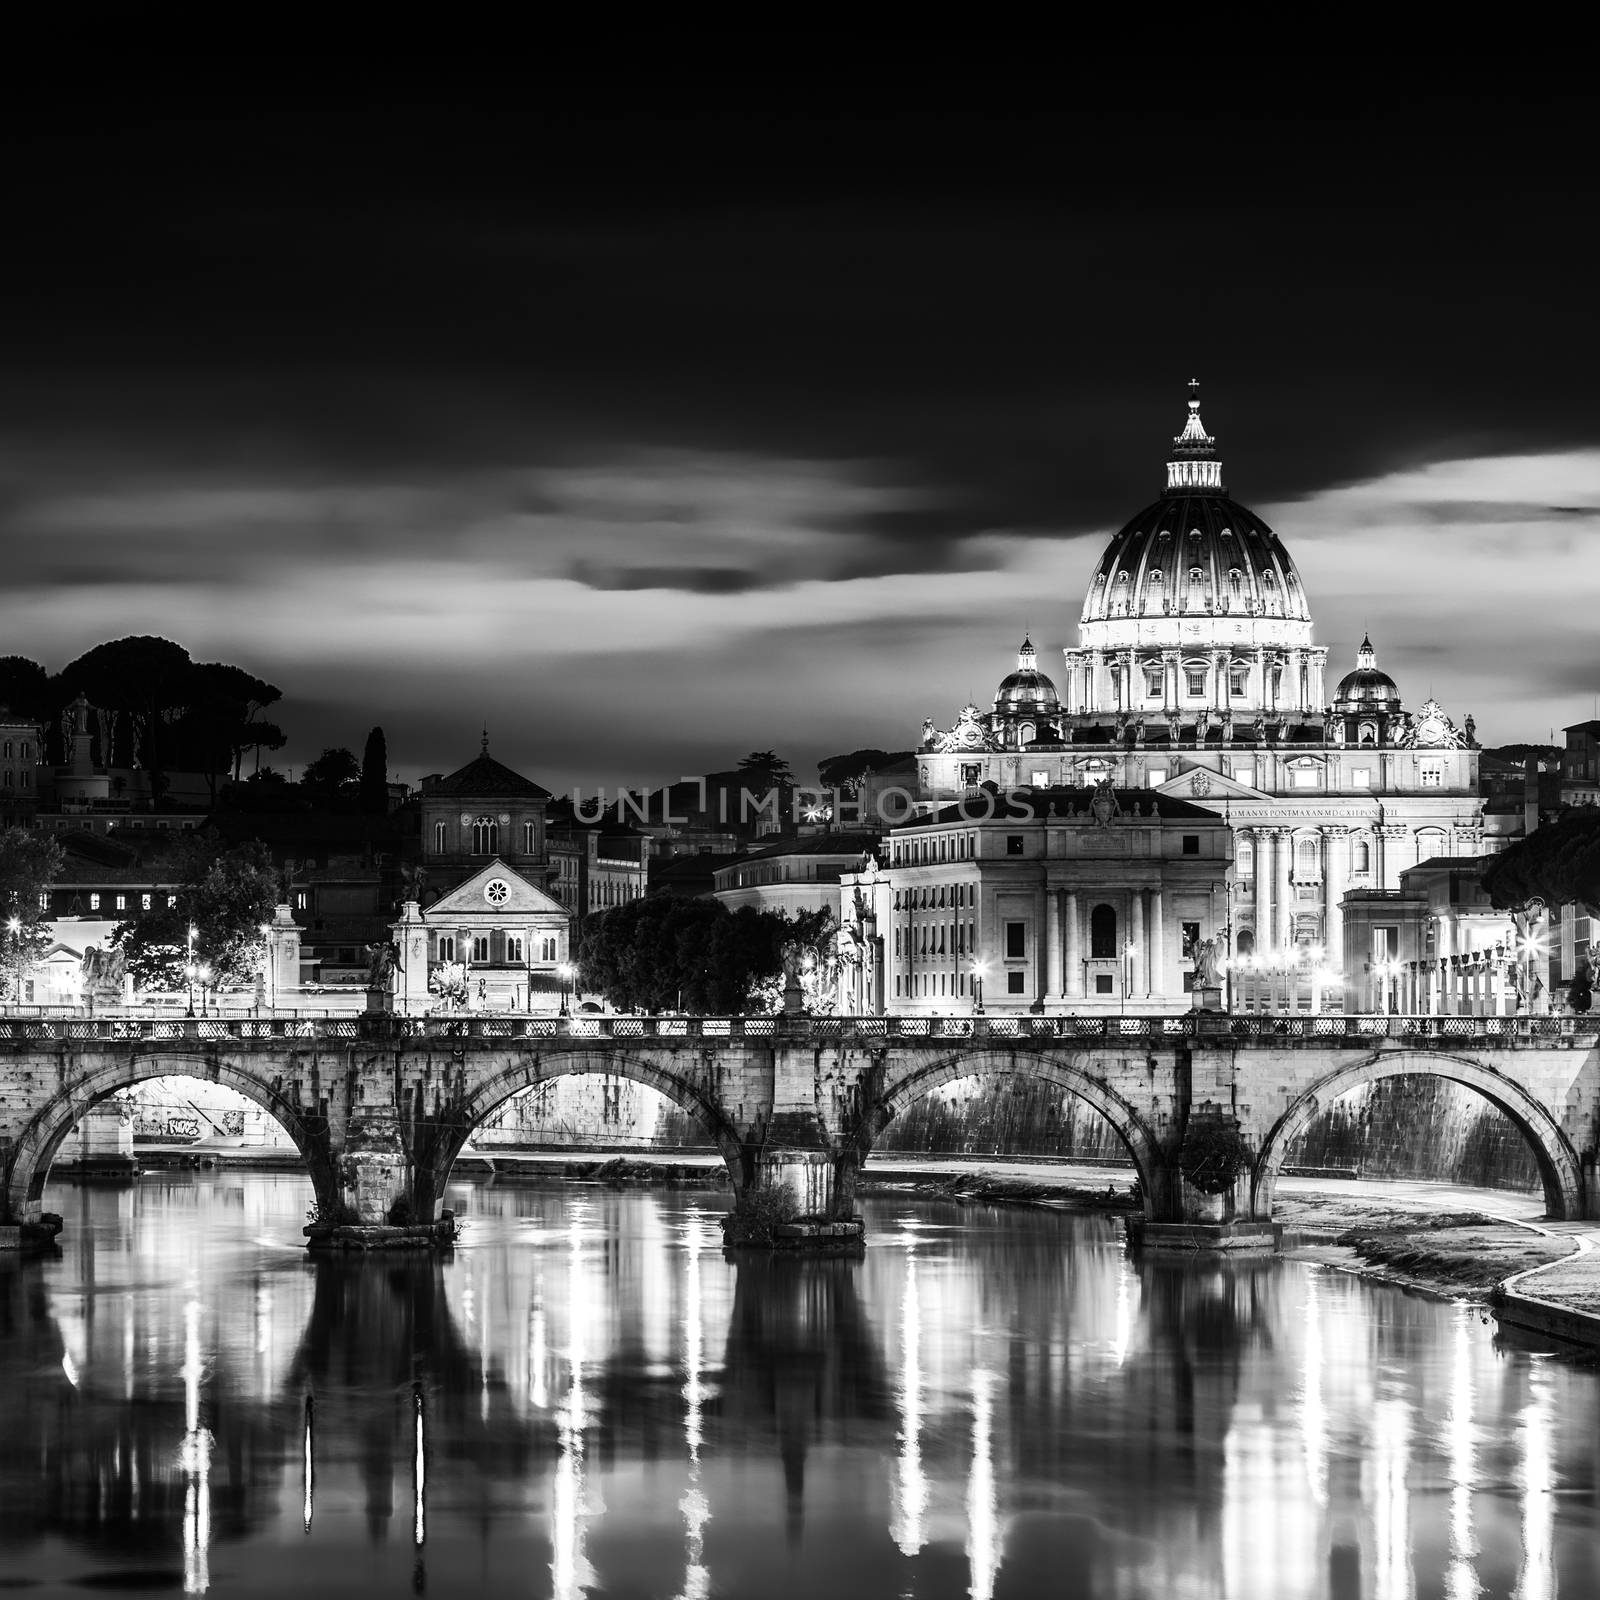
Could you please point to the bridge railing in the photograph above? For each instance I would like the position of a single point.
(1202, 1027)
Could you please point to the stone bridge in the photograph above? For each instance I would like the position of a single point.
(1205, 1103)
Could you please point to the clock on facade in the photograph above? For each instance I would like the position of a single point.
(497, 891)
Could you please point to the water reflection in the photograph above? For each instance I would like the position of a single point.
(589, 1399)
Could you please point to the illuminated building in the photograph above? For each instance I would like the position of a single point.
(1195, 676)
(1046, 900)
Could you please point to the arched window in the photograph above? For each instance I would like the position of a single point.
(513, 947)
(1197, 589)
(1307, 859)
(529, 841)
(485, 837)
(480, 947)
(1361, 856)
(1103, 932)
(440, 838)
(1245, 944)
(447, 947)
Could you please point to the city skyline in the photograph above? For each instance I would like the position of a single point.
(646, 436)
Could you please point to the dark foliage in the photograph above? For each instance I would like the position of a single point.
(756, 1215)
(333, 780)
(1558, 863)
(1580, 992)
(846, 772)
(1214, 1154)
(29, 862)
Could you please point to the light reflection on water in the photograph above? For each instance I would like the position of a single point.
(588, 1399)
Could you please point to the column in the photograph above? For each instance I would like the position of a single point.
(1170, 700)
(1050, 987)
(1099, 689)
(1219, 680)
(1157, 970)
(1443, 950)
(1263, 888)
(1073, 987)
(1335, 865)
(1132, 680)
(1283, 891)
(1130, 964)
(1292, 675)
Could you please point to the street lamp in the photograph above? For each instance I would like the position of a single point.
(204, 974)
(14, 926)
(565, 969)
(977, 988)
(272, 967)
(188, 967)
(1127, 974)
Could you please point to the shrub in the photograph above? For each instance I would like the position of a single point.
(401, 1212)
(757, 1213)
(1213, 1155)
(338, 1214)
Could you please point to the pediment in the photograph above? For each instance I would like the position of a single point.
(470, 898)
(1204, 787)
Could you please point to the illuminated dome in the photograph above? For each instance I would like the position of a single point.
(1027, 692)
(1366, 689)
(1195, 552)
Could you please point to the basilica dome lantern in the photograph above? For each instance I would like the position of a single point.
(1196, 610)
(1366, 704)
(1026, 701)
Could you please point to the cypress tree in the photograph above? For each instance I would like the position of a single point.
(375, 774)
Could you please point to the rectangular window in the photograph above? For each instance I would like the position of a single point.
(1195, 681)
(122, 902)
(1238, 682)
(1156, 776)
(1191, 844)
(1305, 777)
(1015, 981)
(1244, 772)
(480, 947)
(1245, 861)
(970, 772)
(1191, 939)
(1361, 778)
(447, 947)
(144, 902)
(1102, 983)
(1431, 775)
(94, 902)
(1041, 780)
(1016, 939)
(1385, 943)
(299, 900)
(1152, 682)
(1013, 844)
(1188, 983)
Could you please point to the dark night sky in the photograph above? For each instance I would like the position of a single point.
(650, 423)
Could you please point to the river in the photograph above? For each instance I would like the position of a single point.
(588, 1399)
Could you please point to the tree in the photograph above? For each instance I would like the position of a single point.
(229, 701)
(766, 766)
(375, 775)
(29, 863)
(147, 678)
(25, 688)
(665, 953)
(226, 895)
(846, 772)
(1558, 863)
(333, 779)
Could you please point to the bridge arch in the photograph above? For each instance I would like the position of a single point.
(441, 1144)
(28, 1165)
(1559, 1168)
(1066, 1072)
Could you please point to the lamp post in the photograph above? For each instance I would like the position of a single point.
(1127, 974)
(977, 988)
(272, 974)
(14, 928)
(565, 969)
(204, 974)
(188, 967)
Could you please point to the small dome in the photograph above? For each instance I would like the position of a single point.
(1027, 691)
(1366, 689)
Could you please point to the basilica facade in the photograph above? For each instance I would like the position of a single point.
(1195, 676)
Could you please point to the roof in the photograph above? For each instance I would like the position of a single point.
(1592, 726)
(835, 843)
(1065, 804)
(483, 775)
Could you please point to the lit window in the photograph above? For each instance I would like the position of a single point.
(122, 902)
(527, 838)
(144, 902)
(1156, 776)
(299, 900)
(27, 751)
(1361, 778)
(1305, 777)
(440, 838)
(1041, 780)
(94, 902)
(485, 836)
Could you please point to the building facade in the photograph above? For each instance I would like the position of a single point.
(1049, 901)
(1195, 677)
